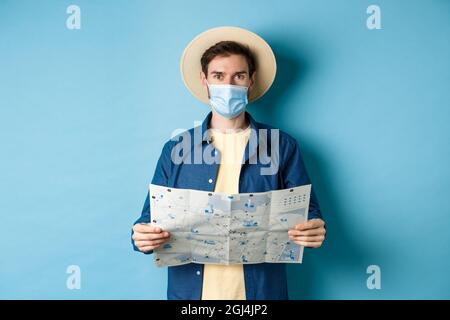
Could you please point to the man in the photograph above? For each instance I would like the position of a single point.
(235, 66)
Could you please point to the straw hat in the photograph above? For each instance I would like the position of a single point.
(265, 60)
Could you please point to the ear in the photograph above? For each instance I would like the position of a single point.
(252, 81)
(203, 79)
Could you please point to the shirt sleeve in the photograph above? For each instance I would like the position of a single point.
(160, 177)
(294, 174)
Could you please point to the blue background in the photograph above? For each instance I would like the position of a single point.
(84, 114)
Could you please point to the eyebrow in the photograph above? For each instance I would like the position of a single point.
(220, 72)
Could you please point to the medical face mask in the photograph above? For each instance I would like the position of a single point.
(227, 100)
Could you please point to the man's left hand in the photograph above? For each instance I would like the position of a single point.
(309, 234)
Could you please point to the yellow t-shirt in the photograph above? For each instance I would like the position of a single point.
(222, 282)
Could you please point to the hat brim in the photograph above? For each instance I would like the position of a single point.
(190, 65)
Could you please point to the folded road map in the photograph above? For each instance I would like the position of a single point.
(220, 228)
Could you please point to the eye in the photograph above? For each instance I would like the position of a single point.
(240, 76)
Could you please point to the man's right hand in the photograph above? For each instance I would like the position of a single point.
(148, 237)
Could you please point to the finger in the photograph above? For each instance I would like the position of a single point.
(157, 242)
(147, 249)
(310, 224)
(141, 244)
(310, 232)
(150, 236)
(308, 238)
(146, 228)
(294, 232)
(309, 244)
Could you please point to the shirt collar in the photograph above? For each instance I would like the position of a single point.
(250, 149)
(206, 134)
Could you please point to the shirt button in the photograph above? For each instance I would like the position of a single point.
(198, 273)
(210, 180)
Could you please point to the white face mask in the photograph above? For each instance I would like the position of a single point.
(227, 100)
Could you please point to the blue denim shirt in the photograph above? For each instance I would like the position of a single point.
(262, 280)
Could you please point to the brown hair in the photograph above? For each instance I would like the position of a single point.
(225, 49)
